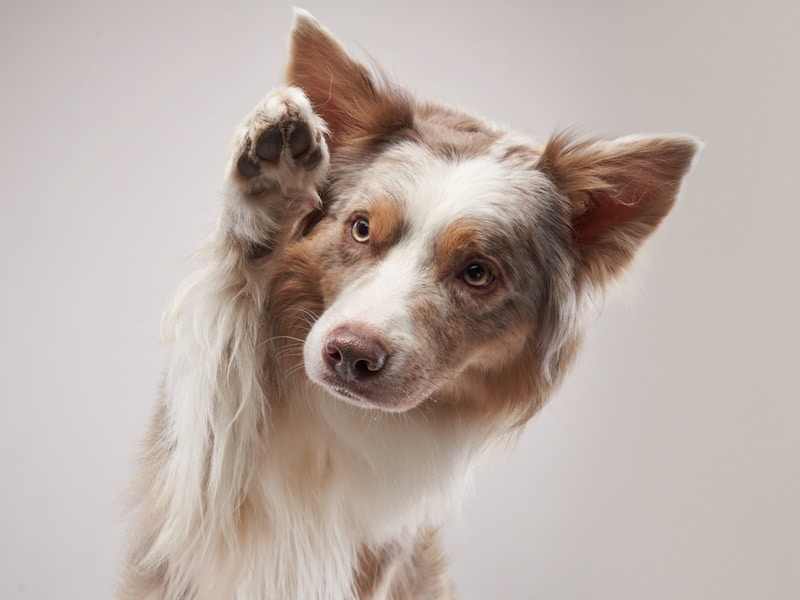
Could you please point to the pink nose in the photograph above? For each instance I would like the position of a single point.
(354, 354)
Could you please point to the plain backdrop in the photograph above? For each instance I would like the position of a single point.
(668, 466)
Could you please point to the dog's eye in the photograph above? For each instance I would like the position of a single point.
(361, 230)
(477, 275)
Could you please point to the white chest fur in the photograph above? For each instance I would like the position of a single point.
(336, 479)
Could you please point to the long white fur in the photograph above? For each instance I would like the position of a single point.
(384, 483)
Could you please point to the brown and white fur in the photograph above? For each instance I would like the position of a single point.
(393, 286)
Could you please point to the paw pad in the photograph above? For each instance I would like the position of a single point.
(269, 145)
(293, 139)
(299, 140)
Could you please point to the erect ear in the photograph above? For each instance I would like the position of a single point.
(618, 191)
(353, 101)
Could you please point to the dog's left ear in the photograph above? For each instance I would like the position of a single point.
(618, 191)
(355, 102)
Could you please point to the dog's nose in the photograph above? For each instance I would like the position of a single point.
(353, 354)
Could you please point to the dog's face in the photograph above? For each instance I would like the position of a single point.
(434, 268)
(456, 261)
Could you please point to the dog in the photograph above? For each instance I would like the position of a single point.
(394, 286)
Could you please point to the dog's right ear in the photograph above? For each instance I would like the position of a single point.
(354, 101)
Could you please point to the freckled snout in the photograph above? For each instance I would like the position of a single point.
(354, 354)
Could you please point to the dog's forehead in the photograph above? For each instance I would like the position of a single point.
(434, 190)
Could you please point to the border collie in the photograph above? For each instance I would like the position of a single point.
(394, 286)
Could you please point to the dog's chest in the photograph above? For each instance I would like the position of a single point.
(336, 481)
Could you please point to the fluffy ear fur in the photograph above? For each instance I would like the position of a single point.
(618, 191)
(354, 101)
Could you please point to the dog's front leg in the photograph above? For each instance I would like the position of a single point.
(278, 159)
(211, 421)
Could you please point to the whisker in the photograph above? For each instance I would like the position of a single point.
(293, 370)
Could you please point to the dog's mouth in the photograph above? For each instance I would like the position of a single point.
(357, 399)
(369, 396)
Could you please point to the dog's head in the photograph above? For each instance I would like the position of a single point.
(457, 262)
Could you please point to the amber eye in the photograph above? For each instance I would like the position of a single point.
(360, 231)
(477, 275)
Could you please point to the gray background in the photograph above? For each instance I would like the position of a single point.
(669, 464)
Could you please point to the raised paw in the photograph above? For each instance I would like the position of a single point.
(280, 146)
